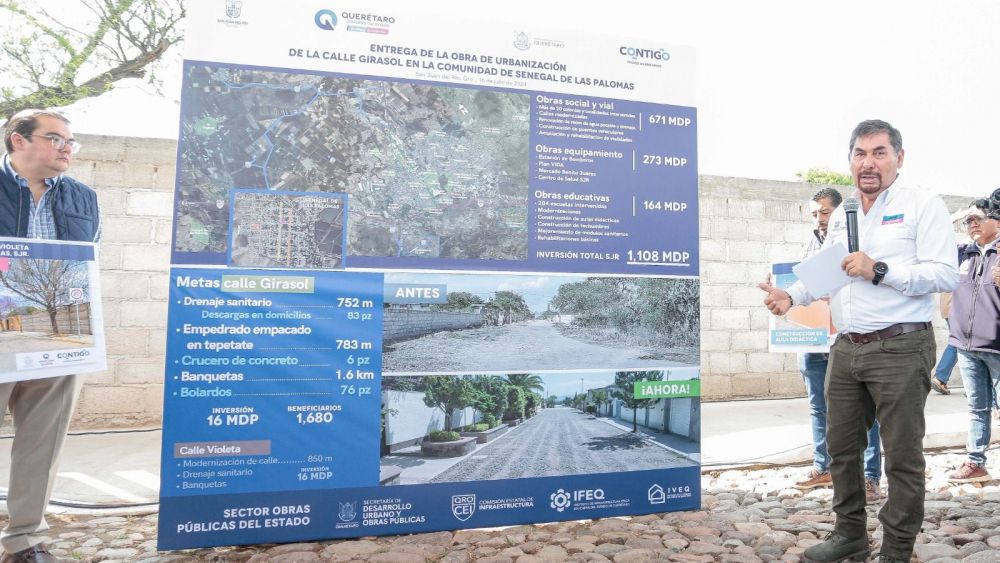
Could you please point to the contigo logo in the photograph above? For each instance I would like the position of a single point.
(637, 53)
(78, 355)
(326, 19)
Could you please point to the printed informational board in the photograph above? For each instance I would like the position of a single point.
(50, 309)
(429, 273)
(806, 328)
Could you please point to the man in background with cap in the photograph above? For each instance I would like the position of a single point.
(975, 332)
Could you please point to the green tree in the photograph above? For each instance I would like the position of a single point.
(516, 401)
(506, 307)
(526, 381)
(625, 383)
(52, 59)
(459, 300)
(447, 393)
(599, 397)
(825, 176)
(551, 401)
(490, 395)
(531, 403)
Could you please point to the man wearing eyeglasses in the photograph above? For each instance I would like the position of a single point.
(37, 200)
(975, 332)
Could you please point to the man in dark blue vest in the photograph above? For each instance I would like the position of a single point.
(38, 201)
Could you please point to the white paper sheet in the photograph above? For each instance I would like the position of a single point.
(821, 272)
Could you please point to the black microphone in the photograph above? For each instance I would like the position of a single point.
(851, 211)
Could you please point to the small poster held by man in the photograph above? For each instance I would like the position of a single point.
(50, 309)
(806, 328)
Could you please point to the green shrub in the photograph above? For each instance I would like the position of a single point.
(591, 409)
(481, 427)
(490, 421)
(443, 436)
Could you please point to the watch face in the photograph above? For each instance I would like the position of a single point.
(881, 268)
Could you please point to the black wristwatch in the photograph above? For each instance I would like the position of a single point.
(880, 269)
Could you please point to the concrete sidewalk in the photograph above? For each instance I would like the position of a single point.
(121, 468)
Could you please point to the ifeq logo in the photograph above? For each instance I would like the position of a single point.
(325, 19)
(463, 506)
(560, 500)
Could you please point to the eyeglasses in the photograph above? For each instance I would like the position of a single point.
(59, 143)
(973, 219)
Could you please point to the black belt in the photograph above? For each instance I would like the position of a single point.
(886, 333)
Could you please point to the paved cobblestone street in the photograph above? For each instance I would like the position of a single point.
(746, 516)
(562, 441)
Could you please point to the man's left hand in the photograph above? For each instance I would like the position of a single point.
(859, 264)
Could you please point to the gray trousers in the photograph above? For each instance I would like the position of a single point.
(888, 380)
(41, 409)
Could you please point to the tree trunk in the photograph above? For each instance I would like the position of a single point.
(52, 319)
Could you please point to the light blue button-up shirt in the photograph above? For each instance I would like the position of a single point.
(41, 222)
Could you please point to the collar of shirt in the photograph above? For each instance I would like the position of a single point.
(983, 248)
(22, 181)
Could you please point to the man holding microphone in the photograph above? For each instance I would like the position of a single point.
(880, 364)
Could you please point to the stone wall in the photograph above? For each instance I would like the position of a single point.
(745, 224)
(410, 323)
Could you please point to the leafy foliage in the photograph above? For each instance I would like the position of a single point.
(459, 300)
(825, 176)
(448, 393)
(668, 308)
(516, 401)
(625, 382)
(531, 403)
(528, 382)
(443, 436)
(505, 307)
(48, 59)
(489, 395)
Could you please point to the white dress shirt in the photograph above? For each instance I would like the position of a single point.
(911, 232)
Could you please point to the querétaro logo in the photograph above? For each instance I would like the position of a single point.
(636, 53)
(348, 511)
(326, 19)
(463, 506)
(233, 11)
(560, 500)
(234, 8)
(522, 41)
